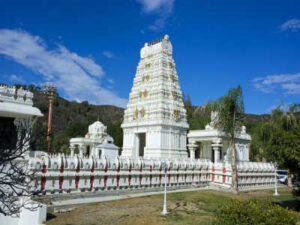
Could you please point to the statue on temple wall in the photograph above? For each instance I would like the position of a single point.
(215, 120)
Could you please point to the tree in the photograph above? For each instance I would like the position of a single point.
(284, 118)
(231, 111)
(60, 141)
(188, 106)
(278, 140)
(115, 130)
(15, 176)
(198, 117)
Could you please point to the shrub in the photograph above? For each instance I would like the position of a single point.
(254, 212)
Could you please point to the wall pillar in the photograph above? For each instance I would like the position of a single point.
(217, 147)
(81, 148)
(192, 147)
(216, 154)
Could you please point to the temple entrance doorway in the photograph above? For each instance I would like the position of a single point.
(142, 143)
(8, 133)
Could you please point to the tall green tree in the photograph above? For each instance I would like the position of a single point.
(278, 140)
(231, 111)
(188, 106)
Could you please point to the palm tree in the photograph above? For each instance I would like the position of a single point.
(231, 111)
(285, 118)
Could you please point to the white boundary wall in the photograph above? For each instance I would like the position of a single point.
(64, 174)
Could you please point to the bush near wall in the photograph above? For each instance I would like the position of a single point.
(254, 212)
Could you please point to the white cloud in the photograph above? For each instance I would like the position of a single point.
(15, 78)
(158, 24)
(292, 88)
(163, 8)
(111, 81)
(78, 77)
(293, 25)
(157, 6)
(289, 83)
(108, 54)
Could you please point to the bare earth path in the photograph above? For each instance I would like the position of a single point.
(185, 208)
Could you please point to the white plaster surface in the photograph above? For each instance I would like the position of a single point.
(27, 217)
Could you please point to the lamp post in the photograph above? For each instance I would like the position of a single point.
(165, 211)
(51, 91)
(276, 191)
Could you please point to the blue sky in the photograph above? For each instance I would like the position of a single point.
(90, 49)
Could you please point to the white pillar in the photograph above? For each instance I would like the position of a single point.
(276, 191)
(216, 154)
(192, 153)
(217, 147)
(136, 145)
(165, 211)
(192, 147)
(81, 148)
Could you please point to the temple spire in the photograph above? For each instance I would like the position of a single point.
(155, 121)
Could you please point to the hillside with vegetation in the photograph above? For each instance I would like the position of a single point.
(71, 119)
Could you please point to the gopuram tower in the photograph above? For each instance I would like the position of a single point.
(155, 124)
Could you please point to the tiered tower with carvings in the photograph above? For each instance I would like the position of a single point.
(155, 124)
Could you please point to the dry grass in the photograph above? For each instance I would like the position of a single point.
(185, 208)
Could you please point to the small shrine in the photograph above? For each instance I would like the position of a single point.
(214, 145)
(96, 143)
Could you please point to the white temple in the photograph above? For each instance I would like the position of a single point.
(155, 124)
(154, 143)
(96, 143)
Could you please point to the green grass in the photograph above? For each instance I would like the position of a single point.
(184, 208)
(289, 200)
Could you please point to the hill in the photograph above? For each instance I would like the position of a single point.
(71, 119)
